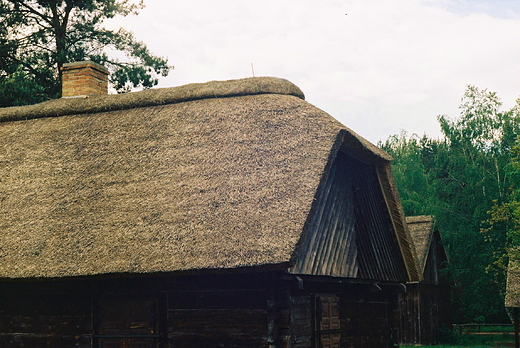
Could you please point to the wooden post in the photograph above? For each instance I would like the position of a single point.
(515, 323)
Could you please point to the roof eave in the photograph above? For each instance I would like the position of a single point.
(395, 208)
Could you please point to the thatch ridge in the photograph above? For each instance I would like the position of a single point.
(419, 219)
(152, 97)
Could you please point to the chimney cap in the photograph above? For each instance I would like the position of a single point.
(82, 64)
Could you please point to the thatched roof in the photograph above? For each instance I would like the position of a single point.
(513, 282)
(421, 231)
(203, 176)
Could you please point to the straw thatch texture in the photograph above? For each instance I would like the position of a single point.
(393, 202)
(217, 175)
(421, 231)
(513, 283)
(202, 184)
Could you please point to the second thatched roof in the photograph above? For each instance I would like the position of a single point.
(512, 299)
(421, 231)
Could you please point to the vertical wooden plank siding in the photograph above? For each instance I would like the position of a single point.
(434, 263)
(331, 246)
(378, 249)
(351, 234)
(410, 312)
(425, 307)
(301, 322)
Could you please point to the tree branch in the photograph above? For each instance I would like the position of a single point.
(66, 15)
(32, 10)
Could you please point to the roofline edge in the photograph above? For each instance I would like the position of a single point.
(152, 97)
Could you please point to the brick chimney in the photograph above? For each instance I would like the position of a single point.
(83, 78)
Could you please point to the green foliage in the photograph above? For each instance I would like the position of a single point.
(38, 36)
(459, 179)
(410, 173)
(20, 89)
(504, 217)
(470, 180)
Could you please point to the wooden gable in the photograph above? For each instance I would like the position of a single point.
(435, 262)
(351, 232)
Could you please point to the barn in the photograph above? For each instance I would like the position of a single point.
(221, 214)
(425, 307)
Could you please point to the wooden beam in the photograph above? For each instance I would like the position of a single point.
(515, 323)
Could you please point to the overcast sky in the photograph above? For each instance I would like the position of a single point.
(377, 66)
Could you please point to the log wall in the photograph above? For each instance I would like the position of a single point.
(32, 315)
(246, 310)
(229, 312)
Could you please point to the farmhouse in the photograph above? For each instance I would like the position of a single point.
(425, 307)
(221, 214)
